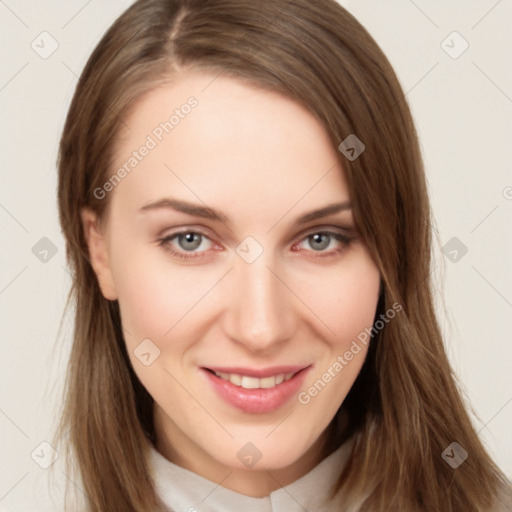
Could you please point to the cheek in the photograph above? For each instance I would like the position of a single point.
(343, 298)
(154, 297)
(346, 306)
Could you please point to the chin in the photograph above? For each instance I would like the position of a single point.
(265, 451)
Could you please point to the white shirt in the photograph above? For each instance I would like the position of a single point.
(185, 491)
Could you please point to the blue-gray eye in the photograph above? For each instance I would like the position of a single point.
(189, 241)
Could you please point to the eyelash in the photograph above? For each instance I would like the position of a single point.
(165, 244)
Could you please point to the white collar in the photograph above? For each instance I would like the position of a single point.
(185, 491)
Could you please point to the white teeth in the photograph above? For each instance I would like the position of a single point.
(250, 382)
(267, 382)
(233, 378)
(247, 382)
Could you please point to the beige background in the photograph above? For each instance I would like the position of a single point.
(463, 110)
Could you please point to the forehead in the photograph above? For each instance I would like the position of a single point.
(227, 143)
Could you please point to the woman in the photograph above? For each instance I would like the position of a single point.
(258, 368)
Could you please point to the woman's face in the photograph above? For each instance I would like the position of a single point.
(219, 265)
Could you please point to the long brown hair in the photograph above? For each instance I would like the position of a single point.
(405, 407)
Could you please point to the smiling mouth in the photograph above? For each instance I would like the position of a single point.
(256, 390)
(247, 382)
(257, 379)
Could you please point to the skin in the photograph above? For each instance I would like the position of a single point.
(263, 160)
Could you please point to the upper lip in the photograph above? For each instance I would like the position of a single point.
(258, 373)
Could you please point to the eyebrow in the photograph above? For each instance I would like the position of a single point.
(211, 214)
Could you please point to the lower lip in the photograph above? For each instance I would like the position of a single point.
(257, 400)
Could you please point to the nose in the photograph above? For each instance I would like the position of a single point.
(260, 307)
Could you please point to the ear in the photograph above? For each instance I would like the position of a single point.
(98, 252)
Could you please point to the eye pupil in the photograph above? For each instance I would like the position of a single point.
(317, 239)
(192, 240)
